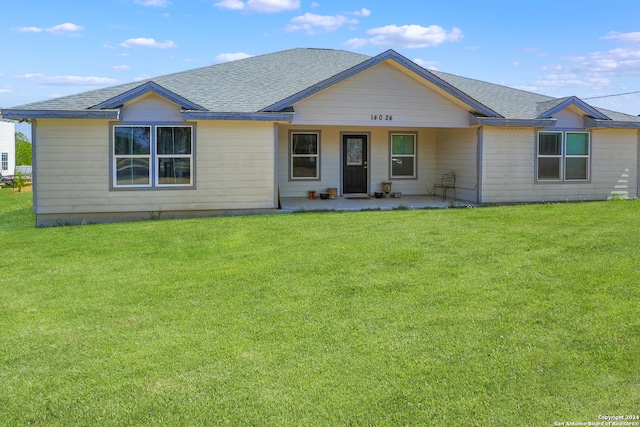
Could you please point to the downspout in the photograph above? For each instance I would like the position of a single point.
(479, 160)
(34, 168)
(276, 177)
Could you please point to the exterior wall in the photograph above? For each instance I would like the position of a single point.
(234, 170)
(508, 168)
(8, 145)
(381, 91)
(150, 107)
(378, 166)
(458, 151)
(569, 118)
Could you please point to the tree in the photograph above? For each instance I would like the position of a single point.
(23, 150)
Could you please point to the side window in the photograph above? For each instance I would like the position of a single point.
(152, 156)
(174, 155)
(132, 156)
(403, 155)
(563, 156)
(305, 158)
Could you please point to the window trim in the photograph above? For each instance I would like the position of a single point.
(172, 156)
(563, 156)
(5, 162)
(414, 155)
(152, 156)
(317, 155)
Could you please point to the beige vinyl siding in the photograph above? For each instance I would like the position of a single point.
(457, 151)
(234, 170)
(381, 90)
(378, 166)
(509, 168)
(569, 118)
(150, 107)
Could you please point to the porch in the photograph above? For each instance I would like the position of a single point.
(345, 204)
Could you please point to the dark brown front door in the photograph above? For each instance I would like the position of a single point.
(354, 164)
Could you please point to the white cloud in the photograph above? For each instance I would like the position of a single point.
(141, 77)
(67, 80)
(67, 27)
(430, 65)
(357, 43)
(228, 57)
(121, 67)
(260, 6)
(29, 30)
(572, 79)
(621, 61)
(623, 37)
(407, 36)
(361, 12)
(313, 24)
(231, 4)
(147, 42)
(5, 90)
(153, 3)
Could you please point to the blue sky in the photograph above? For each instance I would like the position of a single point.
(561, 48)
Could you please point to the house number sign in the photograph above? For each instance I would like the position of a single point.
(382, 117)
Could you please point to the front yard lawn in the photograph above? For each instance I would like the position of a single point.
(522, 315)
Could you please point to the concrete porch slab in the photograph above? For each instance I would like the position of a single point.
(303, 204)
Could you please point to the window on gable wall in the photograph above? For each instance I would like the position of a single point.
(563, 156)
(5, 161)
(152, 156)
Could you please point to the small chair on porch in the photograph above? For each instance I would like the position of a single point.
(447, 181)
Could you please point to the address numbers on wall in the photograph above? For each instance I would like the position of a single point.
(382, 117)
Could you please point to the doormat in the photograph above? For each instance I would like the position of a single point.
(358, 197)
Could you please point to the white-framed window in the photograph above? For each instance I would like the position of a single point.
(563, 156)
(5, 161)
(305, 155)
(403, 155)
(147, 156)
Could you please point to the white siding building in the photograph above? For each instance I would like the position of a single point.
(7, 147)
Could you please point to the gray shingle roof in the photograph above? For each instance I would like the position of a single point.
(252, 84)
(247, 85)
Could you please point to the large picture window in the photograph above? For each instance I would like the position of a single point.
(563, 156)
(403, 155)
(305, 159)
(152, 156)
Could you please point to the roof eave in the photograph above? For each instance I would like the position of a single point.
(591, 123)
(573, 100)
(258, 117)
(143, 89)
(505, 122)
(16, 114)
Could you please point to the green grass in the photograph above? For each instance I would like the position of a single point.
(523, 315)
